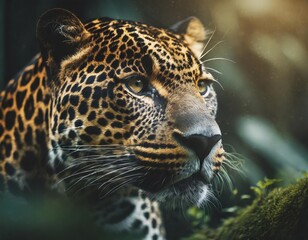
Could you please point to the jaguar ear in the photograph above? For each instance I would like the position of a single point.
(193, 32)
(60, 33)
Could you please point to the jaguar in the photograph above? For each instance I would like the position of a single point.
(115, 113)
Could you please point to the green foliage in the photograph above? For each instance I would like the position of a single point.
(198, 216)
(281, 213)
(263, 186)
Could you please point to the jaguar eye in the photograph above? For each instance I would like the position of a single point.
(136, 84)
(203, 87)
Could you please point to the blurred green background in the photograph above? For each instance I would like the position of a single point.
(263, 109)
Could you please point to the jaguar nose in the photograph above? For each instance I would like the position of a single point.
(201, 145)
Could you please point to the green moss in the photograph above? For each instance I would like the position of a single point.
(280, 214)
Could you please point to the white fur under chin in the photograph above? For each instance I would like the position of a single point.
(196, 194)
(203, 196)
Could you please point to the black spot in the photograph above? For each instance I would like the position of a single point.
(90, 69)
(121, 102)
(154, 223)
(130, 43)
(86, 92)
(110, 58)
(81, 75)
(146, 215)
(143, 206)
(93, 130)
(116, 124)
(29, 108)
(8, 149)
(127, 70)
(28, 161)
(101, 77)
(20, 124)
(111, 75)
(155, 237)
(129, 53)
(119, 117)
(9, 169)
(117, 135)
(102, 121)
(115, 64)
(65, 100)
(107, 133)
(94, 104)
(75, 88)
(97, 93)
(39, 95)
(90, 80)
(104, 93)
(136, 224)
(61, 127)
(126, 135)
(10, 119)
(20, 96)
(63, 115)
(109, 115)
(114, 46)
(119, 32)
(35, 84)
(151, 137)
(147, 64)
(98, 69)
(125, 38)
(74, 77)
(72, 134)
(78, 123)
(100, 55)
(71, 113)
(39, 118)
(123, 56)
(74, 100)
(83, 108)
(85, 137)
(92, 116)
(83, 78)
(104, 104)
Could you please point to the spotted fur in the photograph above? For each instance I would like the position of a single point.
(75, 121)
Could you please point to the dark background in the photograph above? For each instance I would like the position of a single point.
(263, 109)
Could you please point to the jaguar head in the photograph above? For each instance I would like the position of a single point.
(132, 105)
